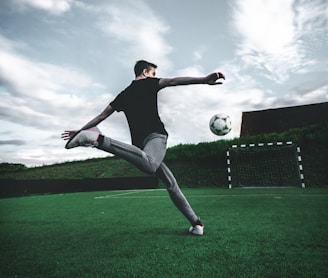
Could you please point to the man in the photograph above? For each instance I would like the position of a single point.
(149, 137)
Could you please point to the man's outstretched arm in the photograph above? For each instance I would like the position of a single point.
(211, 79)
(67, 134)
(98, 119)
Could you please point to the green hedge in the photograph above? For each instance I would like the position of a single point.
(194, 165)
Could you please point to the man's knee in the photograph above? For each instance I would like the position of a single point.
(166, 176)
(150, 169)
(150, 166)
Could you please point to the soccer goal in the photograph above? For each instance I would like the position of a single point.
(276, 164)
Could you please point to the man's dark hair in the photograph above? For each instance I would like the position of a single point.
(141, 65)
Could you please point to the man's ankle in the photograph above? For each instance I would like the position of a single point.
(100, 141)
(197, 223)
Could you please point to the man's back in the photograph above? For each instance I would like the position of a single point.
(139, 104)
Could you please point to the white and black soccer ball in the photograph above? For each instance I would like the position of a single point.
(220, 124)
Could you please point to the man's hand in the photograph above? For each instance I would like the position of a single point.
(68, 134)
(212, 79)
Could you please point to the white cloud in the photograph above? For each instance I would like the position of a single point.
(199, 53)
(28, 77)
(52, 6)
(139, 29)
(309, 94)
(311, 16)
(36, 92)
(266, 25)
(272, 33)
(311, 23)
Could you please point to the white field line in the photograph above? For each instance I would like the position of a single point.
(126, 193)
(275, 196)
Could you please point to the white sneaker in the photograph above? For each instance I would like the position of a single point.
(84, 138)
(197, 230)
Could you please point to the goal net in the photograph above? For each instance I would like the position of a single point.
(265, 165)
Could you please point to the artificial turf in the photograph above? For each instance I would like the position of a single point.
(248, 233)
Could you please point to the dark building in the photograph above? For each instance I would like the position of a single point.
(282, 119)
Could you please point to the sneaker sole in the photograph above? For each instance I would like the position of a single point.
(196, 231)
(70, 140)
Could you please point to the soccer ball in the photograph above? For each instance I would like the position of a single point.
(220, 124)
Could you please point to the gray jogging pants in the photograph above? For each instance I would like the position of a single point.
(150, 160)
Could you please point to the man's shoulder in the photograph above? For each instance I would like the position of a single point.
(153, 80)
(149, 83)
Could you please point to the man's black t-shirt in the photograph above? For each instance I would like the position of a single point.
(139, 104)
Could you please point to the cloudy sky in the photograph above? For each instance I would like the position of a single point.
(63, 61)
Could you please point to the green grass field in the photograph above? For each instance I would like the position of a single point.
(248, 233)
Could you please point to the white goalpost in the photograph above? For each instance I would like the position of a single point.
(277, 164)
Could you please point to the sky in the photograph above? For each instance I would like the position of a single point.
(63, 61)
